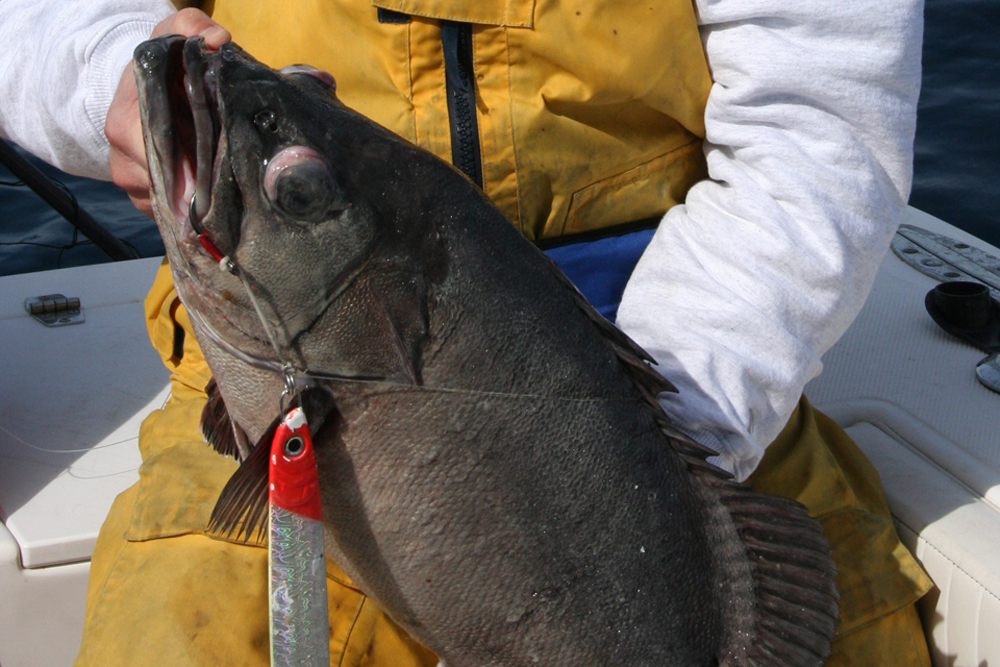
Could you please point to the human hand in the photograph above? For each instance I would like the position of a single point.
(129, 169)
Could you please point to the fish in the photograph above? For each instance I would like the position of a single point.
(494, 469)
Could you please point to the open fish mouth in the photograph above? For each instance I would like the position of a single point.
(177, 89)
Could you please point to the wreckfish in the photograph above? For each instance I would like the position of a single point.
(494, 469)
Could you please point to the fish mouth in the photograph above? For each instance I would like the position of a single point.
(177, 83)
(179, 97)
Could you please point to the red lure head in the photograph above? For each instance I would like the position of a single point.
(293, 479)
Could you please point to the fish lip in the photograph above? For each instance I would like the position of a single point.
(176, 79)
(202, 96)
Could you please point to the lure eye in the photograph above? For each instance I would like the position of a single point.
(266, 120)
(294, 446)
(298, 183)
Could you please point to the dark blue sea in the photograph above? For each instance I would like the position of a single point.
(956, 168)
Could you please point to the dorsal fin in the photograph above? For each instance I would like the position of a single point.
(636, 363)
(784, 575)
(635, 359)
(218, 428)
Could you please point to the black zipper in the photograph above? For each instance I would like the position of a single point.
(460, 82)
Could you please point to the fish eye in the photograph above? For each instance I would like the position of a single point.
(266, 120)
(294, 446)
(298, 183)
(304, 191)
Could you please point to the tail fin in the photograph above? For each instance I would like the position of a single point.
(779, 580)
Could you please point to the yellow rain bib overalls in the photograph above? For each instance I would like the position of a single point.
(573, 116)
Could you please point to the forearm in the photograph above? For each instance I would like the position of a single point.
(59, 69)
(810, 127)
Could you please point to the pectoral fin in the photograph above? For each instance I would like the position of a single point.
(241, 510)
(219, 429)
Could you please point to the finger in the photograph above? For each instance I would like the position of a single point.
(136, 185)
(122, 125)
(132, 177)
(127, 159)
(142, 202)
(192, 22)
(129, 173)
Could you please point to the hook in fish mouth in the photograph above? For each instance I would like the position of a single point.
(177, 81)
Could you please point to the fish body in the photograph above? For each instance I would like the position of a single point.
(494, 469)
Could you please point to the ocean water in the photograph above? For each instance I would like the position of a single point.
(957, 151)
(33, 237)
(956, 166)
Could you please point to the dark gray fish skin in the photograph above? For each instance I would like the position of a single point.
(494, 472)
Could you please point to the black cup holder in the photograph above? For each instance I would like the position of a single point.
(967, 311)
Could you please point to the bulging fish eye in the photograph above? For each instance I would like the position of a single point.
(298, 182)
(304, 191)
(266, 120)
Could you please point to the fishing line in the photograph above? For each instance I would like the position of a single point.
(70, 472)
(66, 451)
(47, 245)
(260, 316)
(75, 241)
(226, 263)
(74, 218)
(379, 381)
(75, 450)
(388, 386)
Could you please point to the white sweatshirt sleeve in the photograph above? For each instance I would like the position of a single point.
(810, 126)
(59, 68)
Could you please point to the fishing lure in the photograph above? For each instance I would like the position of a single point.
(297, 584)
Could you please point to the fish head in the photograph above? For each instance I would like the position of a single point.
(269, 170)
